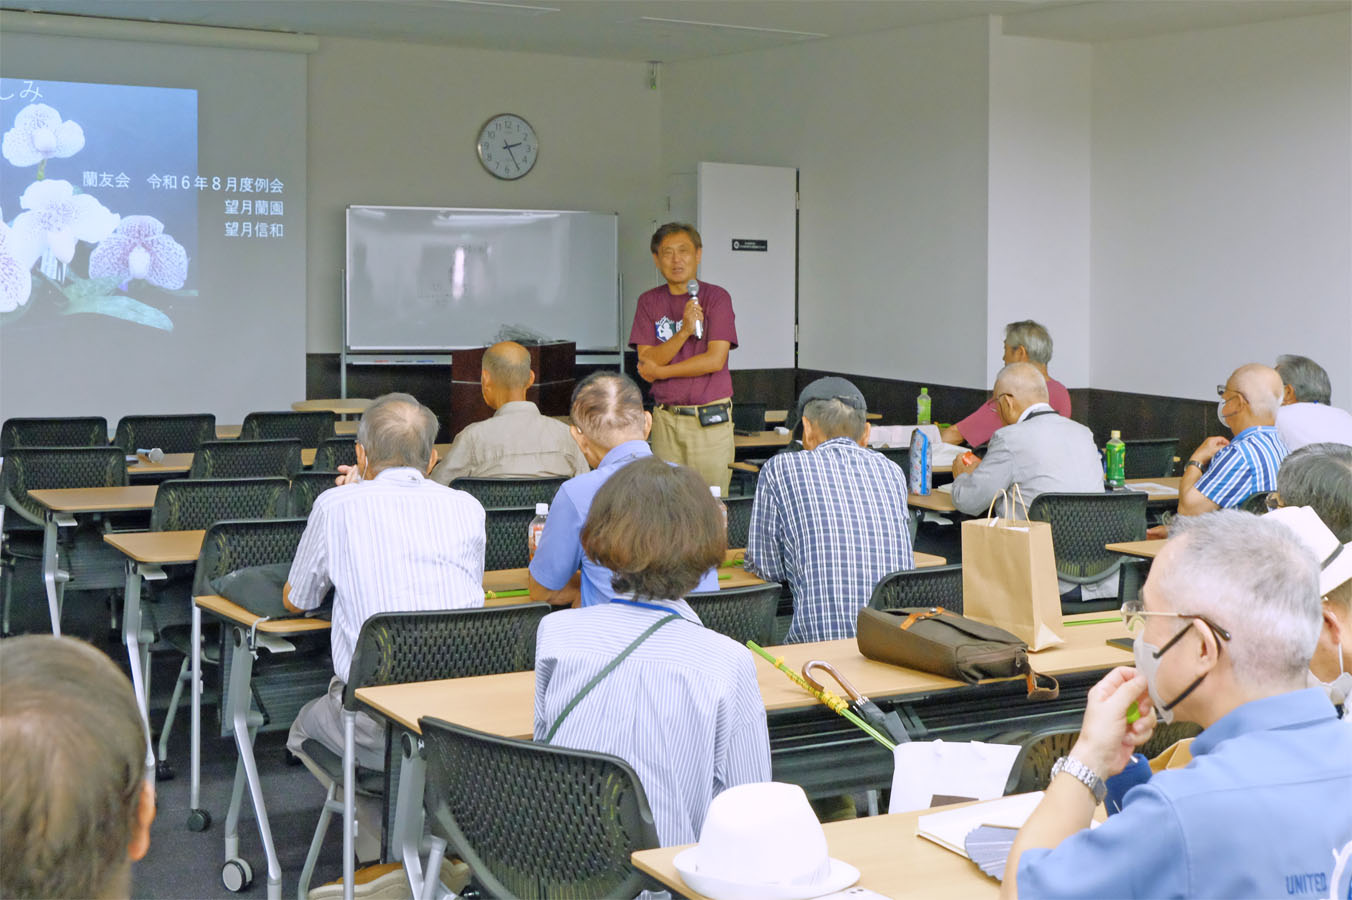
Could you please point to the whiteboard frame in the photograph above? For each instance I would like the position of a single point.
(349, 350)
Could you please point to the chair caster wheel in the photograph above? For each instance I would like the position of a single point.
(199, 820)
(236, 875)
(164, 771)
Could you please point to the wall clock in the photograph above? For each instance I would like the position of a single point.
(508, 146)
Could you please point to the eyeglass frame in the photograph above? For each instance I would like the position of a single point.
(1222, 390)
(1135, 610)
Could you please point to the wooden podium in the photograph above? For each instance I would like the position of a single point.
(552, 364)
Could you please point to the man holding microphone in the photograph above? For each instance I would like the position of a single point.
(683, 331)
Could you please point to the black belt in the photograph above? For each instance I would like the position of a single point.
(708, 414)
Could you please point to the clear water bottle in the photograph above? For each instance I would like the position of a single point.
(1115, 454)
(537, 527)
(922, 407)
(722, 507)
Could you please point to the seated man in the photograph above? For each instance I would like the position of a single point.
(1320, 476)
(517, 442)
(1230, 619)
(611, 428)
(75, 803)
(1305, 416)
(830, 520)
(389, 540)
(682, 707)
(1220, 473)
(1026, 342)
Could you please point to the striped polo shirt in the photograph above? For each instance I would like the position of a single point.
(1245, 466)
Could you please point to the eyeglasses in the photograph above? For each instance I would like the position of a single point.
(1134, 615)
(1272, 500)
(1222, 390)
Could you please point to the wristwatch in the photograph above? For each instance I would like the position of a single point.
(1193, 462)
(1082, 773)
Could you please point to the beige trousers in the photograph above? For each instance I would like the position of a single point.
(681, 439)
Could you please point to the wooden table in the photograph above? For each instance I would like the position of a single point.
(350, 406)
(892, 860)
(62, 505)
(171, 464)
(762, 440)
(1142, 549)
(1169, 497)
(780, 416)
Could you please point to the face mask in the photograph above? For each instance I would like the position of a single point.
(1340, 688)
(1220, 412)
(1148, 664)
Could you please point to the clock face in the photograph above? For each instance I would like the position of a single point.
(508, 146)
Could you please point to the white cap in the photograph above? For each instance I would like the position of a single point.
(716, 490)
(542, 509)
(1335, 559)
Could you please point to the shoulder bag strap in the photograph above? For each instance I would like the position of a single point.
(610, 667)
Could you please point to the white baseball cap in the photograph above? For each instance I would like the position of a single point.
(762, 842)
(1335, 559)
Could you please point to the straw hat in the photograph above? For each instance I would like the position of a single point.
(762, 842)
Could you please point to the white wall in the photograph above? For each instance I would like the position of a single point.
(393, 123)
(1222, 205)
(1039, 196)
(889, 133)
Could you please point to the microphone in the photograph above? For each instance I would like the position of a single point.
(692, 287)
(154, 454)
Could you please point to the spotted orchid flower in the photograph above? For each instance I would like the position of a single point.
(39, 135)
(56, 217)
(16, 281)
(139, 248)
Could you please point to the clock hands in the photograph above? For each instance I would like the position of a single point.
(508, 147)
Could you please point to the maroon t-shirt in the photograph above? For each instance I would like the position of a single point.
(658, 317)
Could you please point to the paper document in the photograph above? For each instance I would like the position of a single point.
(924, 769)
(946, 454)
(949, 829)
(946, 488)
(1151, 487)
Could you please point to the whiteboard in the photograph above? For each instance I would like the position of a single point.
(421, 278)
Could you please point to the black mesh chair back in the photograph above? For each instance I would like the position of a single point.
(939, 586)
(743, 613)
(40, 468)
(536, 821)
(1083, 523)
(1150, 457)
(1166, 735)
(335, 452)
(739, 519)
(232, 544)
(246, 459)
(748, 418)
(306, 486)
(504, 493)
(185, 504)
(172, 434)
(310, 428)
(505, 538)
(87, 431)
(1255, 503)
(397, 648)
(1032, 769)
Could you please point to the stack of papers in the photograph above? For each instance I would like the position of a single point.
(988, 847)
(950, 828)
(1152, 487)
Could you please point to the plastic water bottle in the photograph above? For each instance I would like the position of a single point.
(922, 407)
(537, 527)
(1116, 455)
(722, 507)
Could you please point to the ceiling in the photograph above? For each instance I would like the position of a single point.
(671, 30)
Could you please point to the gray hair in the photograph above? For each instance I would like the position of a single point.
(1253, 577)
(834, 418)
(1032, 337)
(608, 409)
(1307, 378)
(1320, 476)
(396, 430)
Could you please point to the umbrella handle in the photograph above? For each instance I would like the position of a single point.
(845, 686)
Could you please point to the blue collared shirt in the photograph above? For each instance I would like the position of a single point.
(832, 522)
(1263, 810)
(1245, 466)
(559, 553)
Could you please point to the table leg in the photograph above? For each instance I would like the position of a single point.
(195, 750)
(407, 831)
(137, 656)
(241, 673)
(53, 579)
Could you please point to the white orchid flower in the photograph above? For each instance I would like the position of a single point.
(16, 282)
(57, 217)
(39, 134)
(139, 248)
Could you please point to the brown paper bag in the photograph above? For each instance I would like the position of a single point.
(1009, 579)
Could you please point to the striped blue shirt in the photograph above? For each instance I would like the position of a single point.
(396, 543)
(832, 522)
(684, 709)
(1245, 466)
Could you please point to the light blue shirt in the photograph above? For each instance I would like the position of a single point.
(560, 554)
(684, 709)
(1263, 810)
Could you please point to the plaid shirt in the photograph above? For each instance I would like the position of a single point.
(832, 522)
(1245, 466)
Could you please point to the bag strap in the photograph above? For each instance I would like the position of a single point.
(610, 667)
(920, 616)
(1050, 692)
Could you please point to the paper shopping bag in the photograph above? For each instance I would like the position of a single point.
(1009, 579)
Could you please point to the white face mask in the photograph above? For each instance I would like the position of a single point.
(1220, 412)
(1147, 658)
(1340, 688)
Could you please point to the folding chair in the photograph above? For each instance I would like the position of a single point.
(742, 613)
(505, 538)
(1081, 525)
(172, 434)
(502, 493)
(939, 586)
(306, 486)
(243, 458)
(310, 428)
(57, 431)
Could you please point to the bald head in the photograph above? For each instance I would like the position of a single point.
(508, 365)
(1261, 387)
(1018, 386)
